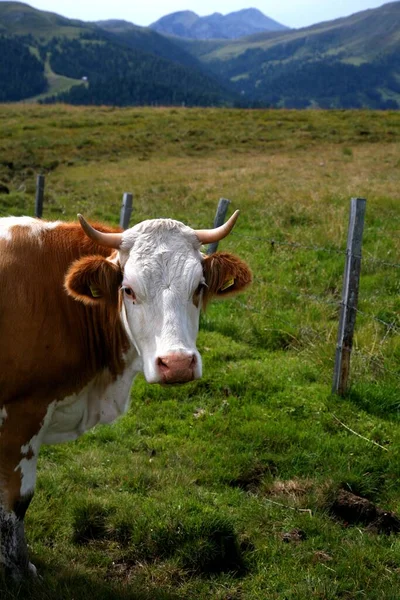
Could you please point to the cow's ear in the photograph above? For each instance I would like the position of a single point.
(93, 280)
(225, 274)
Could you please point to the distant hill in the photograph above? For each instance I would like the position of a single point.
(234, 25)
(121, 76)
(131, 67)
(21, 72)
(147, 40)
(21, 19)
(351, 62)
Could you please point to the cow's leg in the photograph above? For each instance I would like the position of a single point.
(20, 437)
(13, 547)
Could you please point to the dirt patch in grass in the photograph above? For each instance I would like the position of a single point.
(352, 510)
(295, 535)
(290, 487)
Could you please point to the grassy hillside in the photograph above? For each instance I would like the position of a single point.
(125, 67)
(360, 37)
(233, 487)
(346, 63)
(18, 18)
(56, 84)
(147, 40)
(349, 62)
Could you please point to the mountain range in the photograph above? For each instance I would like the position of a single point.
(237, 24)
(350, 62)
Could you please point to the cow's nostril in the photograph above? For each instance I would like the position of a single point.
(177, 367)
(162, 364)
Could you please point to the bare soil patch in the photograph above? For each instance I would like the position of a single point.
(352, 510)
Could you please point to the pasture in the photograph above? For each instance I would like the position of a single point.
(231, 487)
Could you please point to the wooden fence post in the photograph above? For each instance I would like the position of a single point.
(126, 210)
(219, 219)
(351, 281)
(39, 196)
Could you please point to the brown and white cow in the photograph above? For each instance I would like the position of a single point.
(82, 311)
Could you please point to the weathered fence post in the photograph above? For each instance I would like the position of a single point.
(39, 196)
(126, 210)
(351, 281)
(219, 219)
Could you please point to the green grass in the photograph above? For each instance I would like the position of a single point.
(190, 495)
(344, 38)
(56, 84)
(21, 19)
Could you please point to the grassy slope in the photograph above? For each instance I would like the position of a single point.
(360, 37)
(18, 18)
(136, 510)
(56, 84)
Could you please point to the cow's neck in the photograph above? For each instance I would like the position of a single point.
(101, 401)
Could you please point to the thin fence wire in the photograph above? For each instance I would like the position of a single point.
(308, 328)
(320, 299)
(378, 261)
(325, 338)
(377, 361)
(299, 294)
(390, 326)
(333, 250)
(273, 243)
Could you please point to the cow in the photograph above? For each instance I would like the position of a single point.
(83, 310)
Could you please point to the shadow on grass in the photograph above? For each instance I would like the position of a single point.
(65, 585)
(380, 399)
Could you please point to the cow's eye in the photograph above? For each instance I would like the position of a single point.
(128, 291)
(200, 288)
(197, 295)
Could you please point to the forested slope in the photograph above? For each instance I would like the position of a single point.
(21, 73)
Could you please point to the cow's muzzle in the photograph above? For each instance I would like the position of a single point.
(177, 367)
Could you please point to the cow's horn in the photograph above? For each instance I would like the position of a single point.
(207, 236)
(111, 240)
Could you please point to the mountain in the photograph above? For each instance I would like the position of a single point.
(21, 73)
(18, 18)
(350, 62)
(81, 63)
(121, 76)
(147, 40)
(234, 25)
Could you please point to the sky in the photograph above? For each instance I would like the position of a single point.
(293, 13)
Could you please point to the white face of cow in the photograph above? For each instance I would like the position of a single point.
(161, 287)
(156, 283)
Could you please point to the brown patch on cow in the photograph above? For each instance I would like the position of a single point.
(24, 421)
(225, 274)
(93, 280)
(60, 344)
(29, 454)
(352, 510)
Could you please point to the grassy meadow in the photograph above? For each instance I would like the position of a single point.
(227, 488)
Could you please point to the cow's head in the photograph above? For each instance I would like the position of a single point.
(161, 281)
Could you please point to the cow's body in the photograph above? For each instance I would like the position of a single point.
(72, 341)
